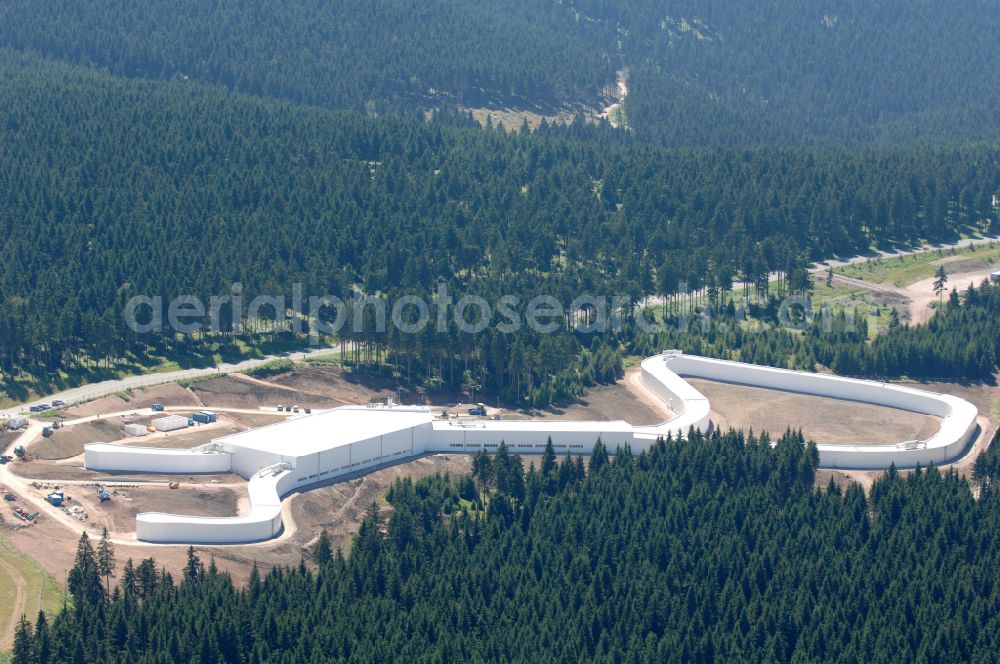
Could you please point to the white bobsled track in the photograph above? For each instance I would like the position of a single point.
(284, 457)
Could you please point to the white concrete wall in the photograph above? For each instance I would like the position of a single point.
(690, 405)
(958, 416)
(246, 462)
(528, 436)
(262, 522)
(130, 458)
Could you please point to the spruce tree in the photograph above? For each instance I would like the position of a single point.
(323, 552)
(85, 577)
(106, 559)
(23, 650)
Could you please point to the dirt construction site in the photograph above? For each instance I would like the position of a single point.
(55, 463)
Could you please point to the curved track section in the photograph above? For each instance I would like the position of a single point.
(262, 522)
(958, 416)
(291, 455)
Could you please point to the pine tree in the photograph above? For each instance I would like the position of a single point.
(23, 646)
(85, 577)
(193, 569)
(106, 559)
(548, 459)
(599, 457)
(42, 646)
(322, 552)
(940, 279)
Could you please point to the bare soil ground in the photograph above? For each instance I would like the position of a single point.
(821, 419)
(69, 441)
(922, 294)
(182, 439)
(342, 387)
(252, 420)
(230, 392)
(118, 514)
(337, 507)
(7, 437)
(605, 402)
(170, 393)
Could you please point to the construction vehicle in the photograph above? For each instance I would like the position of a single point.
(103, 495)
(57, 424)
(157, 407)
(7, 495)
(47, 432)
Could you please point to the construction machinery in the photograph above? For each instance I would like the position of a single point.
(103, 495)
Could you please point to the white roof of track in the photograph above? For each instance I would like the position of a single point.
(301, 436)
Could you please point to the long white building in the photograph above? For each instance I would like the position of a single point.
(284, 457)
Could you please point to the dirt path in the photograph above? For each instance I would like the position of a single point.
(611, 112)
(17, 605)
(920, 296)
(867, 285)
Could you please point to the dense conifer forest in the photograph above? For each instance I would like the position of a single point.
(366, 55)
(123, 188)
(714, 548)
(701, 72)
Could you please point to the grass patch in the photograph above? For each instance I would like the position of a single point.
(272, 368)
(41, 590)
(630, 361)
(904, 270)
